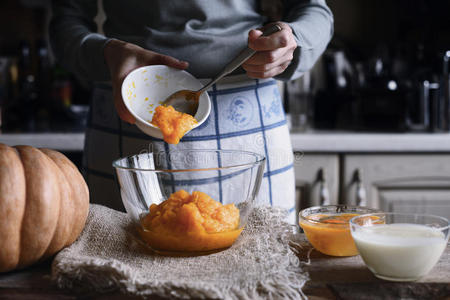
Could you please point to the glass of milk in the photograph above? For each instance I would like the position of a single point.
(400, 247)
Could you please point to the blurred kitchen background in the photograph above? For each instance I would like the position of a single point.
(386, 70)
(370, 122)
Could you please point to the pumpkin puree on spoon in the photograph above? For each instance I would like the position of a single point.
(173, 124)
(194, 222)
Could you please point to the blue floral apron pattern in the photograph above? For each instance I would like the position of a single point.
(240, 112)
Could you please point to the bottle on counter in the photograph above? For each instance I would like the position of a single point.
(381, 102)
(43, 83)
(61, 99)
(11, 107)
(445, 95)
(298, 96)
(4, 88)
(62, 87)
(28, 95)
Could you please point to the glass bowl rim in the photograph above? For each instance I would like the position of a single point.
(259, 159)
(345, 206)
(352, 220)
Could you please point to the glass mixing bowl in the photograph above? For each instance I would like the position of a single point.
(327, 227)
(211, 193)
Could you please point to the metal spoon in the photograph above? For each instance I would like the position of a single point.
(187, 101)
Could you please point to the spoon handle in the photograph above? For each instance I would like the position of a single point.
(239, 59)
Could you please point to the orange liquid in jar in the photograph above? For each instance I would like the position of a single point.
(330, 234)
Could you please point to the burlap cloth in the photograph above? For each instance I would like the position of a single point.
(109, 256)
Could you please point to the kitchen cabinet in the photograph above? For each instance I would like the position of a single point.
(400, 182)
(316, 179)
(413, 183)
(401, 172)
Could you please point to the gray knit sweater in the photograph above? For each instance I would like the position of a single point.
(206, 33)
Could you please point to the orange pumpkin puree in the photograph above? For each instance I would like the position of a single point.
(187, 222)
(330, 234)
(173, 124)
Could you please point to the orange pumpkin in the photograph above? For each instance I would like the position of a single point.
(44, 202)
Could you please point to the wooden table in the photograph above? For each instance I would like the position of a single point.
(349, 278)
(330, 278)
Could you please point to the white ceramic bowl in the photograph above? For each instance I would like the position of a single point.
(146, 87)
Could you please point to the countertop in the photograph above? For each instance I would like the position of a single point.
(309, 141)
(330, 278)
(57, 141)
(336, 141)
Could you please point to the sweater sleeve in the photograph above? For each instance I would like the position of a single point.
(74, 40)
(312, 24)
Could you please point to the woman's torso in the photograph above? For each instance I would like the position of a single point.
(205, 33)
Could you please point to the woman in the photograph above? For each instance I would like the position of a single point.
(200, 36)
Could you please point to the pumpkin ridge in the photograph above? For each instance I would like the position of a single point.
(65, 220)
(12, 182)
(79, 191)
(41, 207)
(65, 223)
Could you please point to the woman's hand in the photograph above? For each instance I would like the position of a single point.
(122, 58)
(274, 52)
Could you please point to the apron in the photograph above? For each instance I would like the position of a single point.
(246, 114)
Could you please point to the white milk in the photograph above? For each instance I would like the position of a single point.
(400, 251)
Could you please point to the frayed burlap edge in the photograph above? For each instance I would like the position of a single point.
(105, 275)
